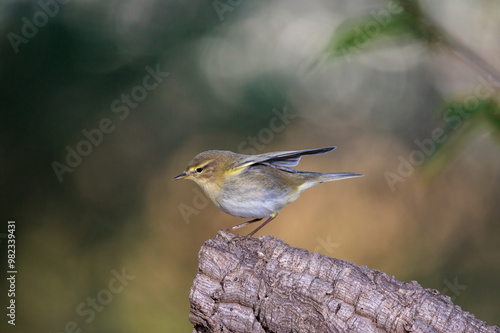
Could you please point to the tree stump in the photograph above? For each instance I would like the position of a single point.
(265, 285)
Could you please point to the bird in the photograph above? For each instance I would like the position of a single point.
(255, 186)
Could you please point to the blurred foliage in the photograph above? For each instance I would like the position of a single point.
(402, 18)
(463, 121)
(405, 20)
(228, 71)
(349, 39)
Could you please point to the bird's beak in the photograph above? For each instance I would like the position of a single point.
(181, 176)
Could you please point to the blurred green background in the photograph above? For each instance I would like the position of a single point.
(93, 130)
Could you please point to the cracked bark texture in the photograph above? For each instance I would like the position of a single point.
(264, 285)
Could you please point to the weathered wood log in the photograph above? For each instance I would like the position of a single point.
(264, 285)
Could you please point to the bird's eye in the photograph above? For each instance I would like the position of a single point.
(199, 170)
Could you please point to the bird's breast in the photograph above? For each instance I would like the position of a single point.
(254, 194)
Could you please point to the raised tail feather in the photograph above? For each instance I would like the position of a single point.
(328, 177)
(315, 178)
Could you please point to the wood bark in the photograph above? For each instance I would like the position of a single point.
(265, 285)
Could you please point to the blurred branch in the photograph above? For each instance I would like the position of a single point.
(403, 17)
(436, 34)
(264, 285)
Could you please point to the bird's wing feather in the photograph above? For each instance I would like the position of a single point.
(280, 158)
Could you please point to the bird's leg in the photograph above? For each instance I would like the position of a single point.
(243, 224)
(273, 215)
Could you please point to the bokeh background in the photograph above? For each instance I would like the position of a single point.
(247, 77)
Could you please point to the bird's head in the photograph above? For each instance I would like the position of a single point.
(208, 167)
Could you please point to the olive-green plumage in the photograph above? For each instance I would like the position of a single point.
(255, 186)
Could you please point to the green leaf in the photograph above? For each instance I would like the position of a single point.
(464, 119)
(359, 35)
(492, 117)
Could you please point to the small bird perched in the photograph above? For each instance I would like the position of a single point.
(255, 186)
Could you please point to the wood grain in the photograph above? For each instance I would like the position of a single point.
(265, 285)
